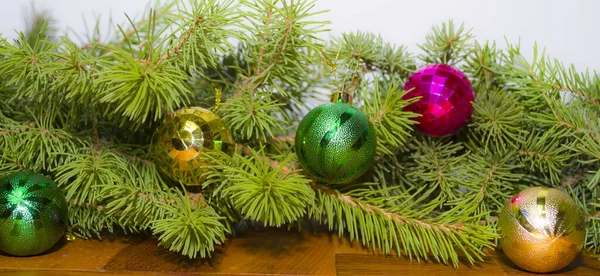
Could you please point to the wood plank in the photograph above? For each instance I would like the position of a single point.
(495, 264)
(262, 252)
(82, 255)
(75, 273)
(269, 252)
(582, 266)
(360, 264)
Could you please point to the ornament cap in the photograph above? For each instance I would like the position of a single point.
(341, 97)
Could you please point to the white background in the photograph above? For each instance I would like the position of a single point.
(568, 29)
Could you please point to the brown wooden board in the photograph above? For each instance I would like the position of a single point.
(266, 252)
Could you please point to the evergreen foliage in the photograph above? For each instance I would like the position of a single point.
(83, 113)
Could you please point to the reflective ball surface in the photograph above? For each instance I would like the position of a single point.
(541, 229)
(33, 214)
(445, 103)
(335, 143)
(181, 140)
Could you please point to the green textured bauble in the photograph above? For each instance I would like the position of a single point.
(336, 143)
(33, 214)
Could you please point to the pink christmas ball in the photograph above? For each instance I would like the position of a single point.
(446, 97)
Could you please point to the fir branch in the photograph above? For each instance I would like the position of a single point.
(438, 164)
(571, 81)
(482, 67)
(592, 237)
(15, 129)
(78, 71)
(401, 219)
(285, 169)
(156, 15)
(492, 178)
(253, 116)
(281, 40)
(447, 44)
(259, 189)
(140, 90)
(134, 205)
(188, 229)
(543, 81)
(9, 161)
(40, 25)
(391, 170)
(575, 117)
(206, 27)
(185, 39)
(588, 202)
(394, 235)
(589, 145)
(82, 176)
(261, 52)
(362, 53)
(522, 77)
(393, 125)
(135, 29)
(23, 67)
(546, 153)
(88, 222)
(284, 40)
(389, 231)
(37, 145)
(135, 200)
(535, 154)
(498, 118)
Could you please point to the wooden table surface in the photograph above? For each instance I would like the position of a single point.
(266, 252)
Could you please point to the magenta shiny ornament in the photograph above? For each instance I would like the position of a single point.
(446, 99)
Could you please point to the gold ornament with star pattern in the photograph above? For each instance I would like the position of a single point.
(181, 140)
(541, 229)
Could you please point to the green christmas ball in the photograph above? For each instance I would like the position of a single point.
(336, 143)
(33, 214)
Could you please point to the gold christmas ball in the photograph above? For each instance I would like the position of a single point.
(541, 229)
(181, 140)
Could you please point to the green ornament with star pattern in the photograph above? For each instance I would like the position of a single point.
(335, 142)
(33, 214)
